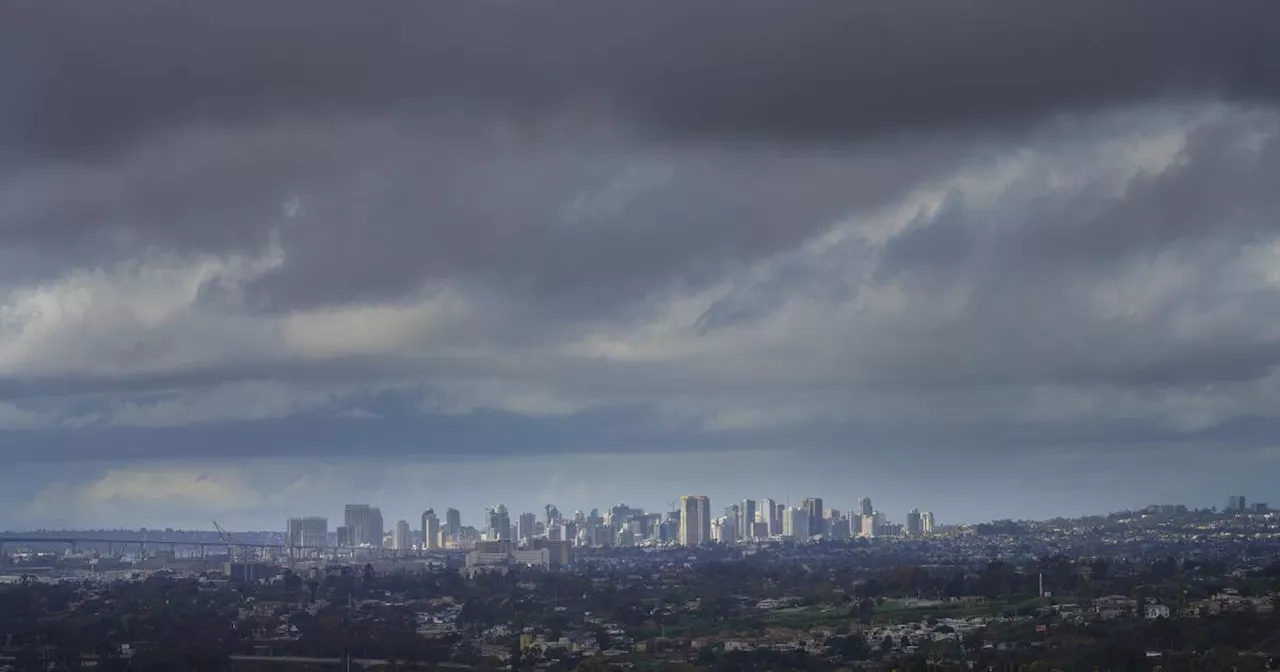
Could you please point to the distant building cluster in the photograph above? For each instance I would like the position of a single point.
(769, 519)
(689, 522)
(1238, 504)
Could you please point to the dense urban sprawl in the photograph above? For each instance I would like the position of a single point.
(1165, 587)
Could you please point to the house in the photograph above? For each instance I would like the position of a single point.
(1113, 606)
(1154, 611)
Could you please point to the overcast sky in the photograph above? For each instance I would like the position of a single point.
(992, 259)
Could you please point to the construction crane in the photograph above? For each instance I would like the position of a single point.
(241, 557)
(234, 552)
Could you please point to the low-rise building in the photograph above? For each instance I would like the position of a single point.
(502, 561)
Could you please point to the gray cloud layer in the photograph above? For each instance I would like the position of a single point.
(874, 233)
(82, 78)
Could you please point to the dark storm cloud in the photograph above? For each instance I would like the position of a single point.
(490, 434)
(80, 78)
(591, 229)
(429, 141)
(572, 208)
(247, 228)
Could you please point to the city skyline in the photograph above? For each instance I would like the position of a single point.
(471, 487)
(247, 273)
(308, 526)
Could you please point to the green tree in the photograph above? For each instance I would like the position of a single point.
(853, 647)
(602, 639)
(593, 664)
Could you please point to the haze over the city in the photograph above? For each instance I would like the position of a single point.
(989, 259)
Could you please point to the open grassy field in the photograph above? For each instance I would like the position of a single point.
(892, 611)
(805, 617)
(896, 612)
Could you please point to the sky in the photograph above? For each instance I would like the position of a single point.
(990, 259)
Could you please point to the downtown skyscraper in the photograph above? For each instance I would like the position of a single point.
(364, 525)
(695, 520)
(771, 513)
(915, 523)
(527, 526)
(309, 531)
(795, 523)
(864, 507)
(400, 539)
(813, 505)
(453, 524)
(747, 519)
(498, 523)
(430, 530)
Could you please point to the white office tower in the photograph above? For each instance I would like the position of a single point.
(868, 526)
(770, 515)
(760, 526)
(926, 522)
(695, 520)
(431, 533)
(795, 523)
(864, 507)
(601, 535)
(914, 523)
(400, 539)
